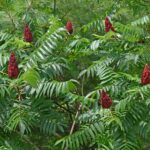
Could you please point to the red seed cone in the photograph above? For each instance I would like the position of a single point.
(108, 25)
(69, 27)
(145, 78)
(27, 34)
(13, 70)
(105, 100)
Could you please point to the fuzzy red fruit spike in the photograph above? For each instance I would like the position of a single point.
(108, 25)
(145, 79)
(69, 27)
(13, 70)
(27, 34)
(105, 100)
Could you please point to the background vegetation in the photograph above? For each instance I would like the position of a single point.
(54, 102)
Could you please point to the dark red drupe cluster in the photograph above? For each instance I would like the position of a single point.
(27, 34)
(105, 100)
(145, 78)
(108, 25)
(69, 27)
(13, 70)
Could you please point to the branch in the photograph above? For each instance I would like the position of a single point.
(25, 138)
(63, 107)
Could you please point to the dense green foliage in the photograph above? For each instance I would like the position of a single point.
(54, 103)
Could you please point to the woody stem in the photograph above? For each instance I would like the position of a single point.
(79, 108)
(54, 7)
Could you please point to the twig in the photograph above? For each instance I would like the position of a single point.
(147, 146)
(65, 15)
(79, 108)
(74, 122)
(12, 20)
(77, 113)
(69, 113)
(63, 107)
